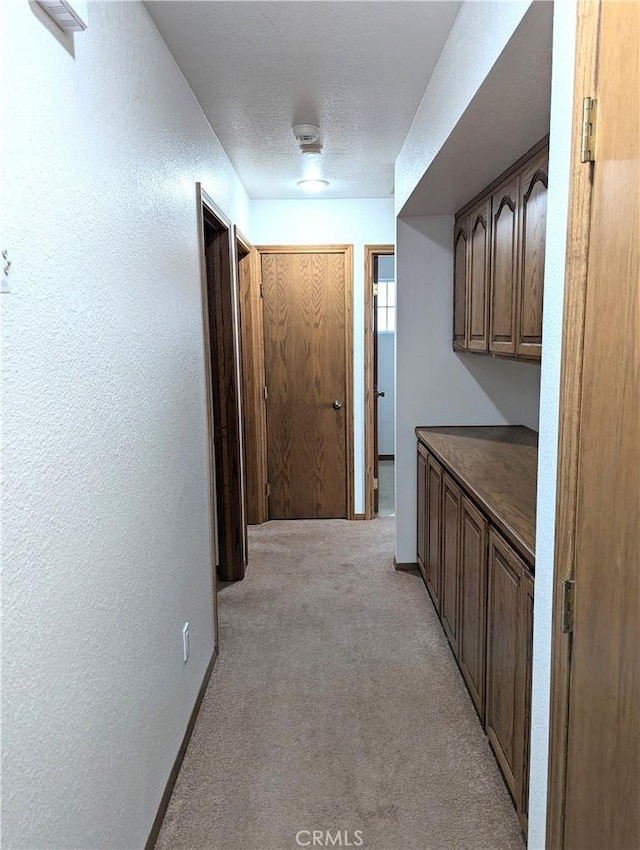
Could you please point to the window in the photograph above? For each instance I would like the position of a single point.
(386, 306)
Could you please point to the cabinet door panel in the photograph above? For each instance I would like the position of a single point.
(503, 639)
(504, 258)
(460, 284)
(422, 511)
(523, 719)
(432, 529)
(478, 281)
(533, 222)
(451, 498)
(473, 602)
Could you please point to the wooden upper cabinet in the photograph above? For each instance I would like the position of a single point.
(533, 222)
(504, 260)
(460, 267)
(478, 280)
(499, 245)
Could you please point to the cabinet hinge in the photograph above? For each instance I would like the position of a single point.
(375, 289)
(375, 483)
(589, 127)
(267, 488)
(568, 604)
(265, 393)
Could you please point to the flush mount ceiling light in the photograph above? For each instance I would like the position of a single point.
(314, 149)
(313, 185)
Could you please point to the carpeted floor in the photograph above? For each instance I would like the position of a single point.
(335, 705)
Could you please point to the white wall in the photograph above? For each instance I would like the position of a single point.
(478, 36)
(106, 526)
(368, 221)
(434, 385)
(564, 34)
(386, 384)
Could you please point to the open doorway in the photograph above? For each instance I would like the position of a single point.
(223, 388)
(380, 344)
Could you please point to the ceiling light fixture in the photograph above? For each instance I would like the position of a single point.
(313, 185)
(313, 149)
(306, 134)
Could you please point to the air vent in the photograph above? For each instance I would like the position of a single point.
(64, 15)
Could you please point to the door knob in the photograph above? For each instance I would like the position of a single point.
(378, 395)
(337, 404)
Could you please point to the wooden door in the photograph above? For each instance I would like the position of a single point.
(596, 717)
(253, 381)
(503, 657)
(504, 259)
(308, 356)
(478, 281)
(531, 244)
(460, 269)
(421, 548)
(451, 503)
(433, 530)
(473, 602)
(222, 322)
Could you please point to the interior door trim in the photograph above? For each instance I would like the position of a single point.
(347, 250)
(369, 378)
(204, 200)
(570, 415)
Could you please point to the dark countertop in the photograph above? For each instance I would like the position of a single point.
(497, 466)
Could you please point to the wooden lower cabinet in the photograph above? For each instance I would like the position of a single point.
(433, 499)
(421, 543)
(509, 642)
(473, 602)
(483, 593)
(450, 558)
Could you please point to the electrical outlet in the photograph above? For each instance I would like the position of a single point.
(185, 642)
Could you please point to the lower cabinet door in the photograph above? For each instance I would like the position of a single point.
(509, 643)
(526, 673)
(432, 530)
(421, 542)
(473, 602)
(450, 604)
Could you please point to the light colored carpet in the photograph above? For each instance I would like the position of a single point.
(335, 705)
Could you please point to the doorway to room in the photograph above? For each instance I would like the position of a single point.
(380, 345)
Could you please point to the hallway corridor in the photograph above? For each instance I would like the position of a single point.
(335, 705)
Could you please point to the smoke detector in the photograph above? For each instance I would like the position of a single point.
(306, 134)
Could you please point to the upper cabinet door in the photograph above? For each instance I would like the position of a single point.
(533, 222)
(504, 260)
(460, 268)
(478, 296)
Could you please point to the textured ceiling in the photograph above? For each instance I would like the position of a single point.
(357, 69)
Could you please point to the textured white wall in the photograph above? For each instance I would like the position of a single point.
(434, 385)
(477, 38)
(106, 528)
(360, 222)
(386, 384)
(564, 35)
